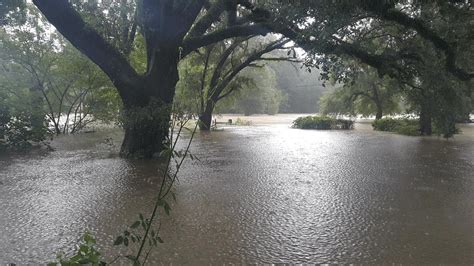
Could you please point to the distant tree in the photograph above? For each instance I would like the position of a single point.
(63, 85)
(366, 94)
(220, 71)
(262, 95)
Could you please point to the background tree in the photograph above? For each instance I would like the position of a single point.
(64, 86)
(222, 65)
(366, 94)
(392, 37)
(171, 30)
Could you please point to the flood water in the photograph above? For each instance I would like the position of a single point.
(264, 193)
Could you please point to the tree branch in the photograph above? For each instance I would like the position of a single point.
(427, 34)
(69, 23)
(193, 43)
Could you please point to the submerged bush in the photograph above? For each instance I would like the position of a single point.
(404, 126)
(322, 122)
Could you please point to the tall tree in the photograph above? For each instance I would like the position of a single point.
(171, 30)
(223, 62)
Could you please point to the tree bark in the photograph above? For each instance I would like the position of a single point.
(377, 101)
(425, 121)
(147, 113)
(205, 117)
(379, 113)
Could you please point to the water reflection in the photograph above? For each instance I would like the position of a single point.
(260, 194)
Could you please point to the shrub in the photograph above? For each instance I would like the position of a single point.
(409, 127)
(322, 123)
(401, 126)
(18, 133)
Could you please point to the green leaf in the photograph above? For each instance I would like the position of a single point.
(89, 239)
(118, 241)
(135, 224)
(167, 208)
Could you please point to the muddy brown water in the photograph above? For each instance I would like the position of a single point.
(264, 193)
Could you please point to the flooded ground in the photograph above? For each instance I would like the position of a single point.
(263, 193)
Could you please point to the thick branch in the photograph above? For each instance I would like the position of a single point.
(253, 57)
(190, 44)
(212, 15)
(429, 35)
(70, 24)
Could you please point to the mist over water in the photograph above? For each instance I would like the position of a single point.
(263, 193)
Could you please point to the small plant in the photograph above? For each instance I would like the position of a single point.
(87, 254)
(322, 123)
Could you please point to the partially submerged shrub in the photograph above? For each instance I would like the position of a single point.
(322, 122)
(404, 126)
(19, 133)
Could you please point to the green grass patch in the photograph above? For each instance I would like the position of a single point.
(322, 123)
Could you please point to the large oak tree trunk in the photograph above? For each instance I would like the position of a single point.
(146, 130)
(147, 113)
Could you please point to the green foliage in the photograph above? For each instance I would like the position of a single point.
(301, 89)
(65, 90)
(220, 77)
(322, 122)
(136, 232)
(365, 94)
(12, 11)
(19, 133)
(22, 124)
(259, 95)
(409, 127)
(404, 126)
(87, 254)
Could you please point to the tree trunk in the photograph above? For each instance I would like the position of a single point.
(425, 121)
(147, 112)
(145, 135)
(379, 113)
(205, 118)
(377, 101)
